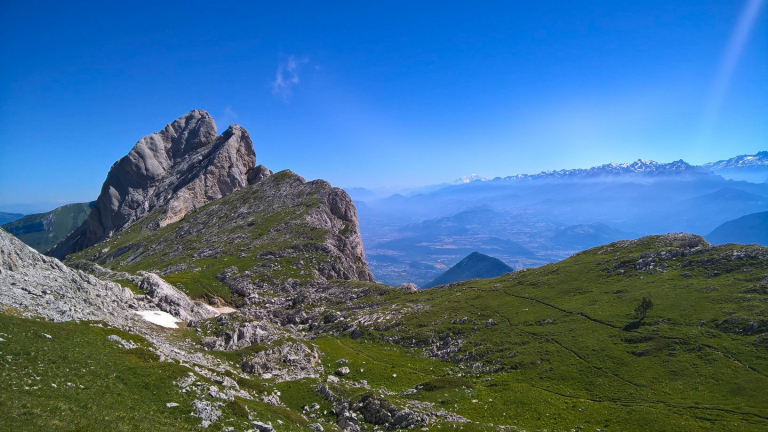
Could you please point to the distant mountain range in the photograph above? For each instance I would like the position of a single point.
(760, 159)
(639, 167)
(474, 266)
(738, 166)
(43, 231)
(749, 229)
(9, 217)
(529, 220)
(469, 178)
(752, 168)
(729, 167)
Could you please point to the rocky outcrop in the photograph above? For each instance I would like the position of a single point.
(258, 174)
(41, 285)
(169, 299)
(179, 169)
(44, 286)
(383, 414)
(231, 332)
(289, 361)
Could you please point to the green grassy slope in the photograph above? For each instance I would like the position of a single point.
(542, 349)
(550, 341)
(42, 231)
(80, 380)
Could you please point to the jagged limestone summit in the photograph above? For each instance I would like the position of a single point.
(194, 207)
(178, 169)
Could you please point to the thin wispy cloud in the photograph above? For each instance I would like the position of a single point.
(229, 112)
(287, 77)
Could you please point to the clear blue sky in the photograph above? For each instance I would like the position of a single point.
(379, 93)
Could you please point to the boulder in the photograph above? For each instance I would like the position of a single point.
(169, 299)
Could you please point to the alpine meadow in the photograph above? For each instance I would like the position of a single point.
(368, 216)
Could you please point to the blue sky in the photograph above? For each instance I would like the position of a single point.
(379, 93)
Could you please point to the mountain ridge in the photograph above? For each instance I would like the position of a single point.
(748, 229)
(9, 217)
(279, 229)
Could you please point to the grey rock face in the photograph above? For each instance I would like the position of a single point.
(180, 168)
(335, 214)
(43, 285)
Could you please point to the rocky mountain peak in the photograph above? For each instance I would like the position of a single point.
(180, 168)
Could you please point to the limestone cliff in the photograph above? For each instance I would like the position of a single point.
(178, 169)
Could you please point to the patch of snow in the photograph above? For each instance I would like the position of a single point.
(468, 179)
(163, 319)
(225, 310)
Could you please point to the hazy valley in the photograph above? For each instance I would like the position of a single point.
(529, 220)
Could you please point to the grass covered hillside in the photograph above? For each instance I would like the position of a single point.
(43, 231)
(663, 333)
(72, 376)
(278, 229)
(564, 346)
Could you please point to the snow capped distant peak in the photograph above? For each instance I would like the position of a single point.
(646, 167)
(760, 159)
(469, 178)
(638, 167)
